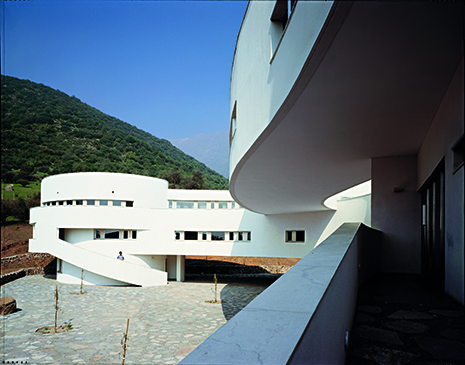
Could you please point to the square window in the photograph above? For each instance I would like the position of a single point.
(69, 202)
(116, 203)
(218, 236)
(61, 202)
(202, 205)
(103, 202)
(184, 204)
(79, 202)
(91, 202)
(191, 235)
(295, 236)
(129, 203)
(53, 203)
(111, 234)
(222, 205)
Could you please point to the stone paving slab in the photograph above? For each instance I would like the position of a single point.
(166, 322)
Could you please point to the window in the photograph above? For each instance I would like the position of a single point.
(204, 236)
(170, 204)
(218, 236)
(249, 236)
(53, 203)
(295, 236)
(61, 202)
(129, 204)
(458, 150)
(134, 235)
(233, 126)
(69, 202)
(103, 202)
(202, 205)
(98, 234)
(212, 205)
(125, 235)
(231, 236)
(233, 205)
(116, 203)
(111, 234)
(184, 204)
(79, 202)
(91, 202)
(177, 235)
(222, 205)
(191, 236)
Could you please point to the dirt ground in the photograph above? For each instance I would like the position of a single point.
(15, 241)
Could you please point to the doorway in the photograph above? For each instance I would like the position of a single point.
(432, 235)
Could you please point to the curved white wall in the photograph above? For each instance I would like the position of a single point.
(260, 84)
(144, 191)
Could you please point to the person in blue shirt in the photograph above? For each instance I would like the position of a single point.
(120, 256)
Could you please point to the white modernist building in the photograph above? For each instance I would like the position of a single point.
(85, 219)
(325, 95)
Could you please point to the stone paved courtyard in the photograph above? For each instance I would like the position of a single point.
(166, 322)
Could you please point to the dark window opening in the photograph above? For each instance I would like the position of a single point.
(125, 235)
(134, 235)
(218, 236)
(231, 236)
(79, 202)
(191, 236)
(112, 234)
(129, 203)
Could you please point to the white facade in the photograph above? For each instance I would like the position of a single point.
(85, 219)
(327, 95)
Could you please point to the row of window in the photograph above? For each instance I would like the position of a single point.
(212, 236)
(114, 234)
(191, 204)
(114, 203)
(291, 236)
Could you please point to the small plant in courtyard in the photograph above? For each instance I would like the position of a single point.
(69, 327)
(216, 301)
(123, 342)
(82, 284)
(56, 306)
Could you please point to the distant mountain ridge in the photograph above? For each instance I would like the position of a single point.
(212, 149)
(48, 132)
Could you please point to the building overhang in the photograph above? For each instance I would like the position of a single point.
(370, 87)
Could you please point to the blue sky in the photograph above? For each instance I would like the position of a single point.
(163, 66)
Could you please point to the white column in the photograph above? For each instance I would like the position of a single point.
(180, 267)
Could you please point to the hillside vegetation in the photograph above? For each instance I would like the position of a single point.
(46, 132)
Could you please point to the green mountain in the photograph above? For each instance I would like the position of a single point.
(46, 132)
